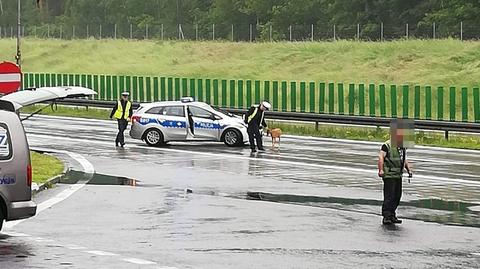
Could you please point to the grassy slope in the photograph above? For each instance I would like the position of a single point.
(441, 62)
(45, 167)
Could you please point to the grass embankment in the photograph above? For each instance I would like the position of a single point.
(45, 167)
(325, 130)
(80, 112)
(432, 62)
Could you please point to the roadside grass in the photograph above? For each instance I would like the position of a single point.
(45, 167)
(425, 62)
(464, 141)
(66, 111)
(426, 138)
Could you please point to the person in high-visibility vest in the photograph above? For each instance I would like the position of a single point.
(122, 111)
(392, 161)
(255, 118)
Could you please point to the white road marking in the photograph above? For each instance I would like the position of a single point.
(74, 247)
(88, 168)
(101, 253)
(139, 261)
(14, 234)
(476, 253)
(248, 158)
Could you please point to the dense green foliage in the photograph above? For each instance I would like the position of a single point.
(280, 14)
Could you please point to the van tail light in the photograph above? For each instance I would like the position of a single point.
(29, 175)
(135, 119)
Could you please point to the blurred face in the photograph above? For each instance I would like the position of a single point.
(398, 137)
(125, 97)
(262, 108)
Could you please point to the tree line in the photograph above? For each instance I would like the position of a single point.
(348, 16)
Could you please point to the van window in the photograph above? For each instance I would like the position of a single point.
(5, 144)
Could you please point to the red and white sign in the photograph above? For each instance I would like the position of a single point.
(10, 78)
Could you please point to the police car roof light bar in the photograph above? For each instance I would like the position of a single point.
(187, 99)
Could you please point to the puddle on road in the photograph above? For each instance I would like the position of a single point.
(73, 177)
(429, 210)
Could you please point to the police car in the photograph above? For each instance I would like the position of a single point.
(186, 120)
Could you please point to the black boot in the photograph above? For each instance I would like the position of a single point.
(387, 221)
(395, 220)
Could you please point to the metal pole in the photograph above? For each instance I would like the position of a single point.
(35, 31)
(196, 32)
(162, 31)
(334, 32)
(61, 31)
(270, 33)
(131, 31)
(115, 32)
(406, 30)
(73, 32)
(146, 31)
(48, 31)
(232, 34)
(19, 27)
(88, 34)
(434, 33)
(213, 31)
(461, 30)
(312, 37)
(290, 30)
(381, 31)
(358, 31)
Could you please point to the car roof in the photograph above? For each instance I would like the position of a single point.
(174, 103)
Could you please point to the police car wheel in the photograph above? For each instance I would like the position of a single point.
(232, 138)
(154, 137)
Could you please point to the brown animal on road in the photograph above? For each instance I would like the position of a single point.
(275, 134)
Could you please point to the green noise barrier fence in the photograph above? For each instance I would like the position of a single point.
(405, 101)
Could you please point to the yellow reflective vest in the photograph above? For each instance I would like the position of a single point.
(119, 113)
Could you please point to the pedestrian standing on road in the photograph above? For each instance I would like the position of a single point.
(122, 111)
(392, 161)
(255, 119)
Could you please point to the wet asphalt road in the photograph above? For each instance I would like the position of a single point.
(319, 207)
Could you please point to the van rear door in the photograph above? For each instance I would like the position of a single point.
(15, 167)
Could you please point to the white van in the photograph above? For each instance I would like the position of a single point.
(15, 167)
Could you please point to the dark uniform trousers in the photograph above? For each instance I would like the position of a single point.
(122, 126)
(253, 131)
(392, 192)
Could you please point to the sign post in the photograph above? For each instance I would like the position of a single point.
(10, 78)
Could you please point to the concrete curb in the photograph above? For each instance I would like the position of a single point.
(53, 180)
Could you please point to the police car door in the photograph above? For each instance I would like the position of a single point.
(173, 122)
(205, 123)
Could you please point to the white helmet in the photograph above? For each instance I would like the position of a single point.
(266, 105)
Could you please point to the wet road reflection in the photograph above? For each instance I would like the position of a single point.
(314, 203)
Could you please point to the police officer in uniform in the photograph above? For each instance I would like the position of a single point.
(255, 118)
(391, 163)
(122, 111)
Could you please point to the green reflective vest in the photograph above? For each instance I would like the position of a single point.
(393, 164)
(119, 113)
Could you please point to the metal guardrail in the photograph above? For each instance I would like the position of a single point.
(445, 126)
